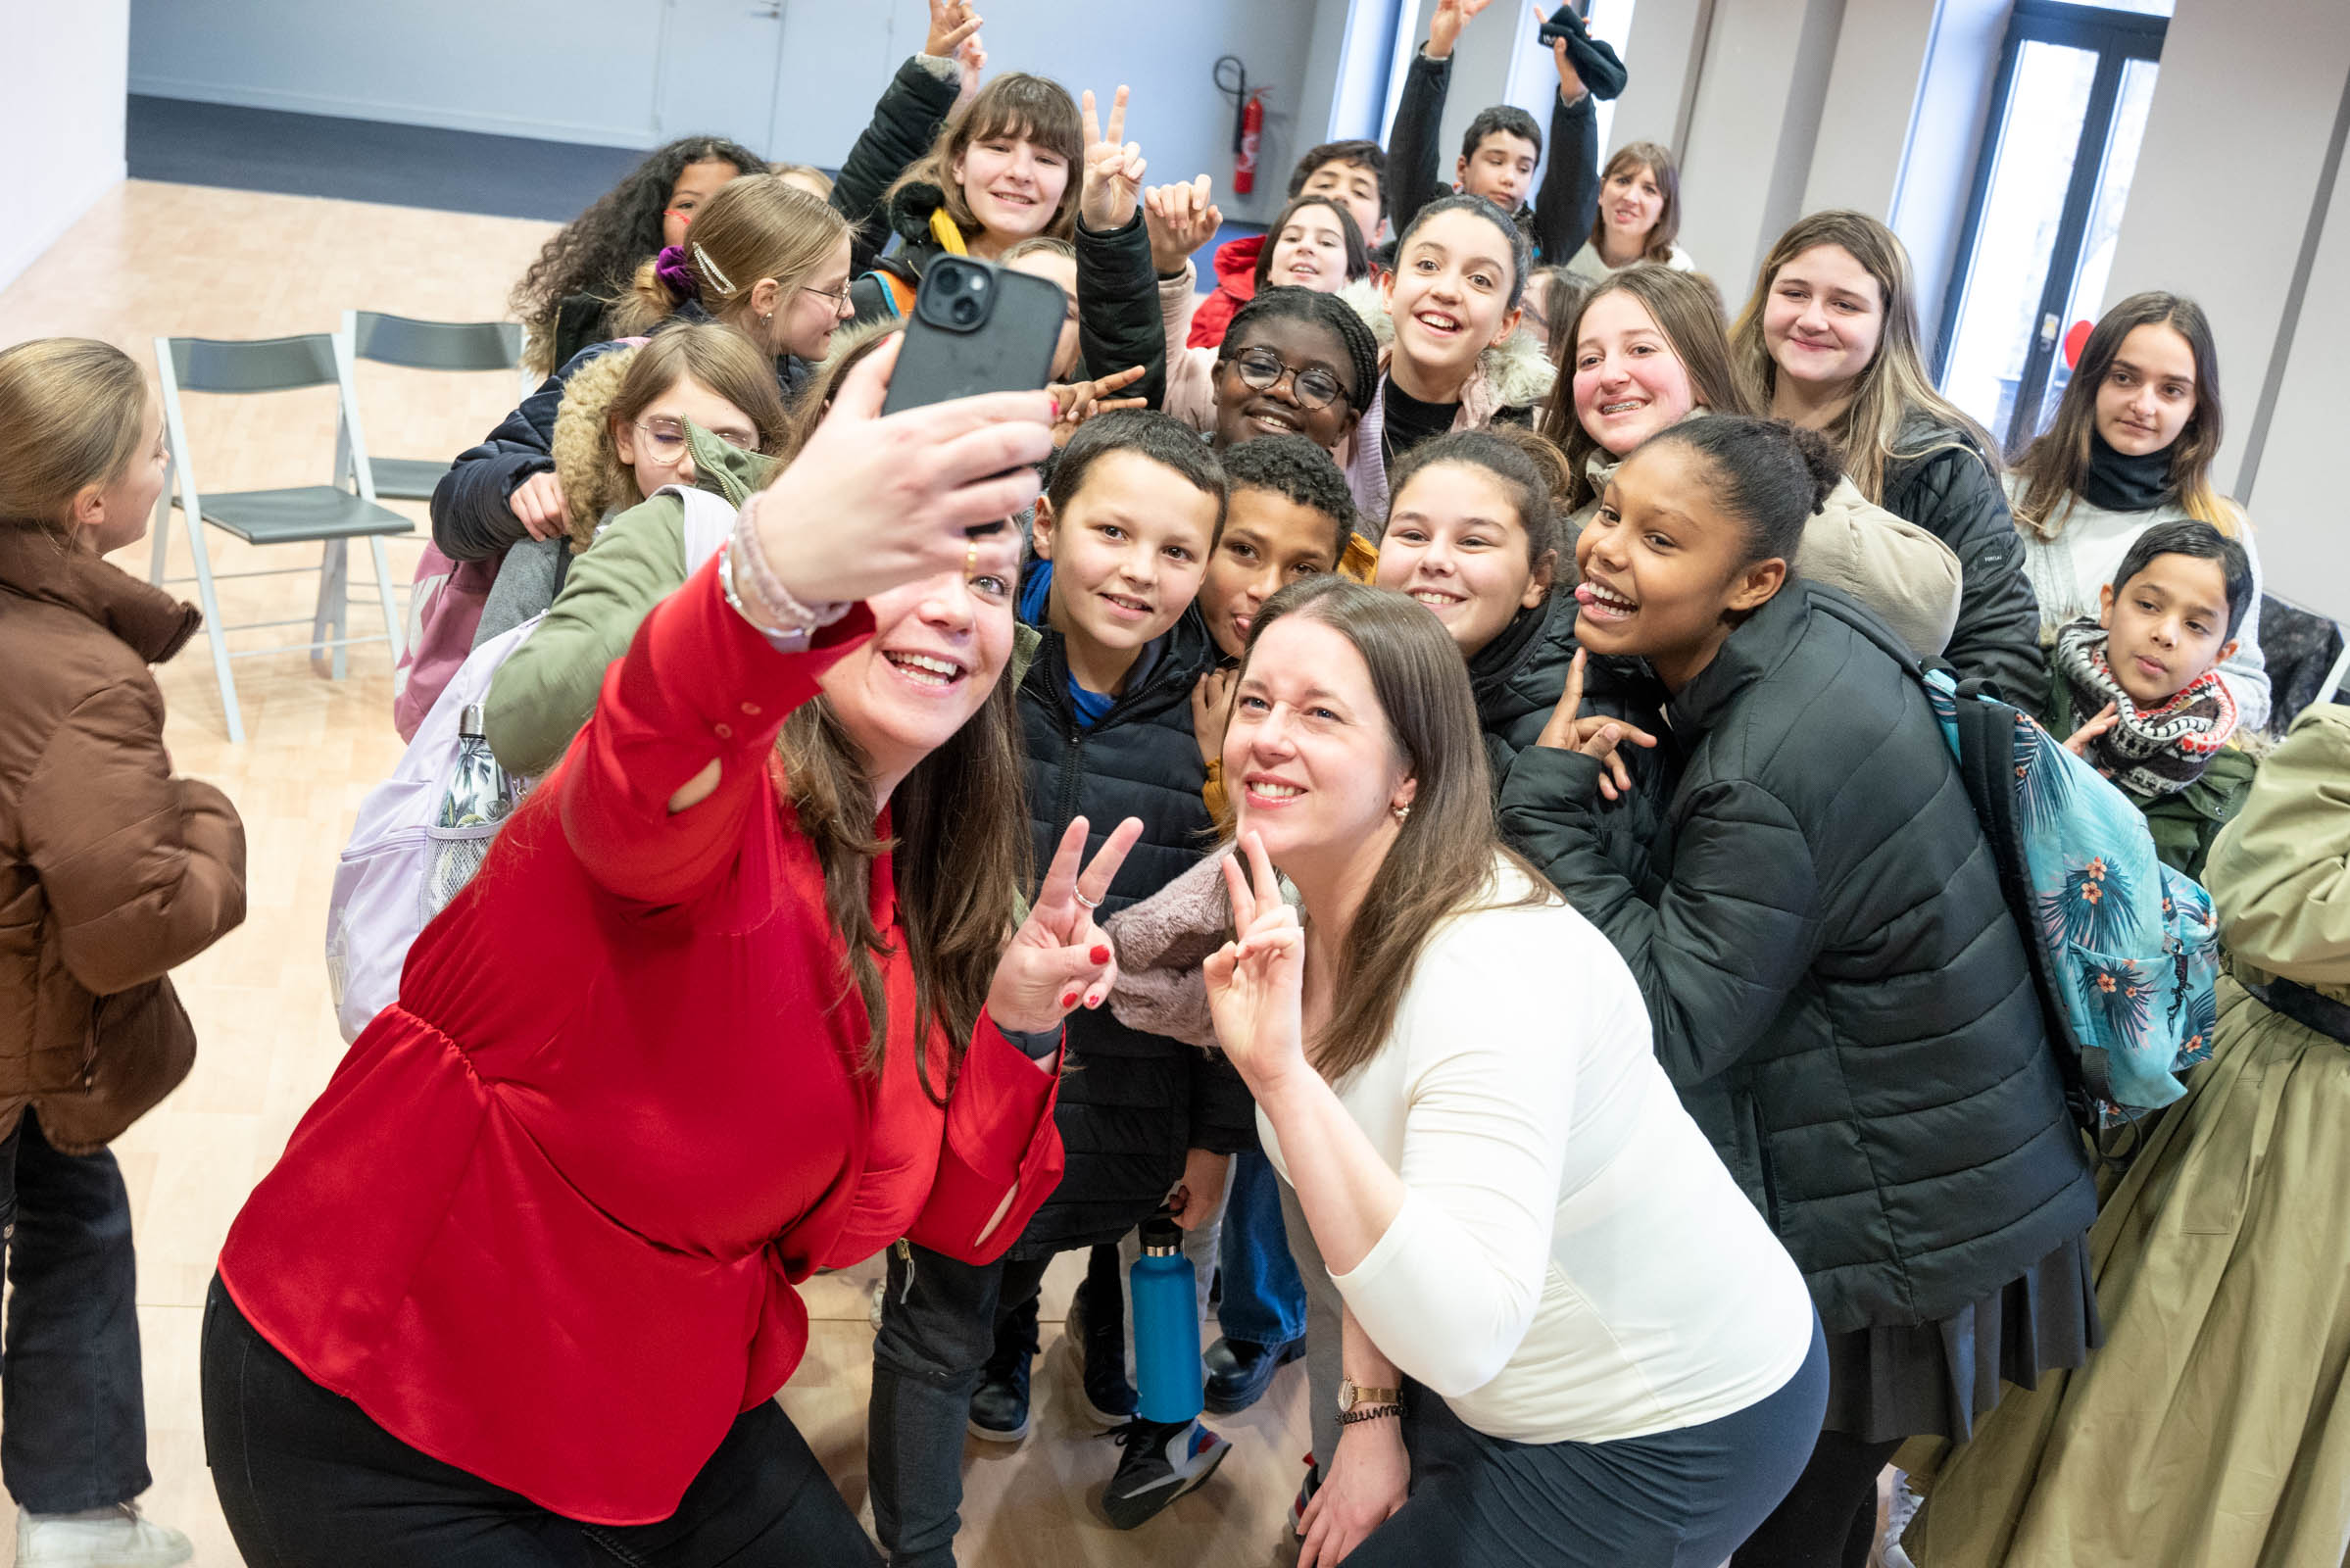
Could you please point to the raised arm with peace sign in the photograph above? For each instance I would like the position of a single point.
(1113, 168)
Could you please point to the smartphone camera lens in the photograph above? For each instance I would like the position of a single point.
(950, 281)
(964, 309)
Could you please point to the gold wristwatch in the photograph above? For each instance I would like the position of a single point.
(1358, 1403)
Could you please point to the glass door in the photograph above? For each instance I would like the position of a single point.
(2068, 113)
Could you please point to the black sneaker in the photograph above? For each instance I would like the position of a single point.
(999, 1405)
(1238, 1371)
(1163, 1461)
(1100, 1352)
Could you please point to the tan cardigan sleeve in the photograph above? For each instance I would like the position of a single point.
(1191, 373)
(2280, 871)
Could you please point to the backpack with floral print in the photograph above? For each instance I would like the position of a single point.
(2123, 949)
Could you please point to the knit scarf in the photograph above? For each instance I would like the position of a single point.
(2118, 483)
(2150, 751)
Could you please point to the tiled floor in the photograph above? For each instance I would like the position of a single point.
(153, 259)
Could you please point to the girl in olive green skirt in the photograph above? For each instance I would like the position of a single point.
(2211, 1429)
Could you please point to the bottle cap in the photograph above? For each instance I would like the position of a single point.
(1162, 1237)
(469, 723)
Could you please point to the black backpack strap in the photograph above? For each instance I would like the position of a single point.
(1986, 764)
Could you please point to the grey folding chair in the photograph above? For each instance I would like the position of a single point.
(324, 515)
(423, 346)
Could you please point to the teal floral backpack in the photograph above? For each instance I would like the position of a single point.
(2124, 950)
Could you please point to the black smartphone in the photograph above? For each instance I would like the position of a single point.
(976, 327)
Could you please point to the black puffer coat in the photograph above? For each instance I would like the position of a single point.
(1948, 489)
(1118, 322)
(1837, 989)
(1133, 1102)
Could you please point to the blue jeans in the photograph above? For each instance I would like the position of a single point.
(72, 1419)
(1264, 1302)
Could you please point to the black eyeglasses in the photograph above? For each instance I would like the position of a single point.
(1262, 368)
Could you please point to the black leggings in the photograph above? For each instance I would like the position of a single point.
(1830, 1519)
(307, 1478)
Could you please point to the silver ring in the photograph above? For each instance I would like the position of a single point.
(1091, 903)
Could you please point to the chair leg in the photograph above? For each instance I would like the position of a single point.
(383, 594)
(334, 607)
(162, 530)
(218, 637)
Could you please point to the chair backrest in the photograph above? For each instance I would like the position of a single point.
(433, 345)
(256, 364)
(259, 365)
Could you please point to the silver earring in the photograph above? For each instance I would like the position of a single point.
(764, 319)
(1401, 811)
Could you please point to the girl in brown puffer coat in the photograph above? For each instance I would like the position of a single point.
(111, 871)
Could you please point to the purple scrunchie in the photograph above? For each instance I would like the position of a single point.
(674, 274)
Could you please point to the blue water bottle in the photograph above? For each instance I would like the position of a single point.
(1166, 1325)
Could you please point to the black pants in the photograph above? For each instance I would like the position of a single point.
(73, 1418)
(1829, 1520)
(1677, 1500)
(937, 1329)
(307, 1479)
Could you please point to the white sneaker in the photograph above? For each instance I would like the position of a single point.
(103, 1538)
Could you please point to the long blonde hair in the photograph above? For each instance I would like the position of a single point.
(757, 227)
(1895, 387)
(72, 412)
(2050, 471)
(719, 356)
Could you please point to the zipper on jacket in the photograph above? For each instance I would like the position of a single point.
(906, 1254)
(1762, 1162)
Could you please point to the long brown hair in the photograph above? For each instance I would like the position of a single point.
(1015, 105)
(849, 346)
(719, 356)
(959, 855)
(1658, 161)
(71, 411)
(757, 227)
(1448, 850)
(2049, 472)
(1895, 386)
(1685, 310)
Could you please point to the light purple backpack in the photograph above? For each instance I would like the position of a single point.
(401, 868)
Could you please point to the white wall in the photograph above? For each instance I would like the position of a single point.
(61, 112)
(589, 71)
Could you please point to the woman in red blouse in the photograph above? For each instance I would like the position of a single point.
(731, 1001)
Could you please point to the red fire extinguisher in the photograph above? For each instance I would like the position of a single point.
(1252, 130)
(1249, 124)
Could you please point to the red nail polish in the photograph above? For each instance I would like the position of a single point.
(1100, 952)
(1070, 1001)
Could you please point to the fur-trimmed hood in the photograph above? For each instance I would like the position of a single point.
(1514, 373)
(592, 480)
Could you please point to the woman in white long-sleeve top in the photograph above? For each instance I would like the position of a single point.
(1569, 1337)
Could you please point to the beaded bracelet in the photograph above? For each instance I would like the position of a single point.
(790, 615)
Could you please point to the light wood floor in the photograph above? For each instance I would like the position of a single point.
(154, 259)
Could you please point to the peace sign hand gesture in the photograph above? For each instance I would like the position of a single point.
(1113, 169)
(1594, 736)
(1059, 958)
(953, 23)
(1256, 982)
